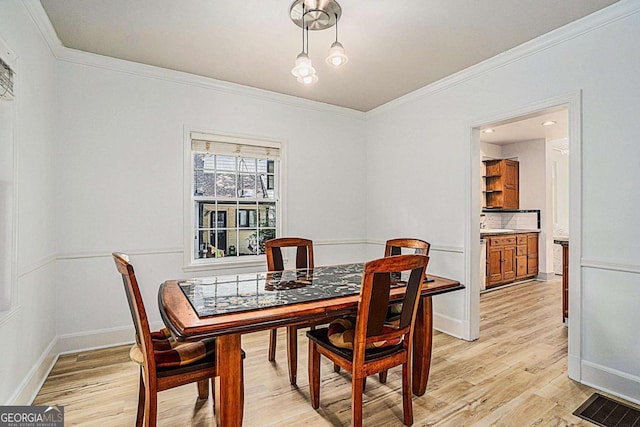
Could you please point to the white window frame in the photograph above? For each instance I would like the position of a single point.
(191, 263)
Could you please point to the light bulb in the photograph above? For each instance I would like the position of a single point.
(303, 66)
(307, 80)
(336, 56)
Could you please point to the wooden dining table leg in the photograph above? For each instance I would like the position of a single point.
(422, 345)
(229, 394)
(292, 353)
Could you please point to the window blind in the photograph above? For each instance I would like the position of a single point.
(226, 146)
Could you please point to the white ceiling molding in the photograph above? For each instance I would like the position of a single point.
(63, 53)
(600, 18)
(606, 16)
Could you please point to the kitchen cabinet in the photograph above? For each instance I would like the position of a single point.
(526, 255)
(502, 184)
(532, 254)
(501, 259)
(521, 256)
(511, 257)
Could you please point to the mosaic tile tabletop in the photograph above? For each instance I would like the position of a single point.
(212, 296)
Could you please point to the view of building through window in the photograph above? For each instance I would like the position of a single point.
(235, 201)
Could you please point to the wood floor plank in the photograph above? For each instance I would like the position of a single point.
(514, 375)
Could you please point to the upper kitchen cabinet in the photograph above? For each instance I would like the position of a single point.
(502, 187)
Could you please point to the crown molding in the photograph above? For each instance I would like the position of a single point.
(592, 22)
(74, 56)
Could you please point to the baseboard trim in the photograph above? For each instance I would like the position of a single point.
(609, 380)
(573, 368)
(30, 386)
(28, 389)
(546, 276)
(449, 325)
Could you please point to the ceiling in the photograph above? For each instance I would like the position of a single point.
(394, 47)
(529, 128)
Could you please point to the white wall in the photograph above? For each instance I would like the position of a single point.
(6, 203)
(28, 328)
(121, 137)
(427, 135)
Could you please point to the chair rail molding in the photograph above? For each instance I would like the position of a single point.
(608, 264)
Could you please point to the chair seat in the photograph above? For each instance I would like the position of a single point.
(321, 337)
(169, 353)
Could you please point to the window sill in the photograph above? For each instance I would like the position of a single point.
(226, 263)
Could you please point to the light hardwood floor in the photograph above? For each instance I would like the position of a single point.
(514, 375)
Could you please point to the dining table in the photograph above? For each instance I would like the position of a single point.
(228, 306)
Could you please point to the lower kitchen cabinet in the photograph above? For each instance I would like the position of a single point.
(511, 257)
(532, 254)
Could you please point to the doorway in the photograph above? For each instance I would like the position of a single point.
(534, 115)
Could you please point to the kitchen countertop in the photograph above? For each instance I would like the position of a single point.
(564, 241)
(495, 231)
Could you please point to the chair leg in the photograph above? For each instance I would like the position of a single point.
(292, 353)
(141, 401)
(357, 388)
(203, 389)
(407, 395)
(150, 407)
(273, 335)
(242, 396)
(213, 392)
(383, 376)
(314, 375)
(336, 368)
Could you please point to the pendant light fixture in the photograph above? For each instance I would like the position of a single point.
(303, 70)
(316, 15)
(337, 56)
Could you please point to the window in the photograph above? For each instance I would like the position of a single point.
(234, 197)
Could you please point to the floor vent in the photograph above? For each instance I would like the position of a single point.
(606, 412)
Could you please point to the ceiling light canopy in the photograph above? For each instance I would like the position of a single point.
(549, 123)
(316, 15)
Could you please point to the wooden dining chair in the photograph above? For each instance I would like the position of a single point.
(366, 345)
(275, 262)
(395, 247)
(164, 363)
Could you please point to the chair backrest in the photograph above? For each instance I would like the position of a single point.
(395, 246)
(304, 252)
(136, 306)
(374, 300)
